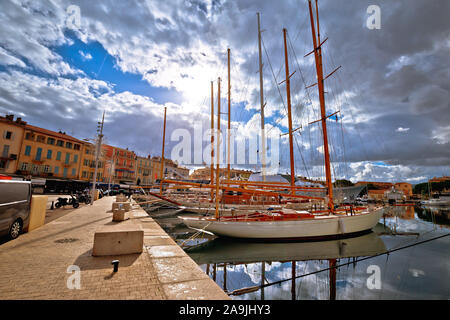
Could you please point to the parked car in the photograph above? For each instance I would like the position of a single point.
(15, 205)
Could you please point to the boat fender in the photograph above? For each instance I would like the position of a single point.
(341, 226)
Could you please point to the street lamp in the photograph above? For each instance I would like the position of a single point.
(97, 154)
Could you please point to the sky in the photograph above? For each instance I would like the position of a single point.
(64, 63)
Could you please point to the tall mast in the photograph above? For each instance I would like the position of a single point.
(320, 84)
(218, 150)
(212, 137)
(288, 93)
(162, 154)
(229, 121)
(261, 98)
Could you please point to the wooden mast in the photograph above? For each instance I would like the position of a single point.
(212, 138)
(320, 84)
(229, 120)
(288, 93)
(261, 98)
(218, 151)
(162, 154)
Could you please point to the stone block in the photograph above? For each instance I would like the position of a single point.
(120, 215)
(118, 240)
(121, 206)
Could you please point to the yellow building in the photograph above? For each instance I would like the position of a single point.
(143, 171)
(46, 153)
(87, 169)
(10, 143)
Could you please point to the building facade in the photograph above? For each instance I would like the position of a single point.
(10, 143)
(143, 171)
(171, 170)
(120, 165)
(46, 153)
(88, 164)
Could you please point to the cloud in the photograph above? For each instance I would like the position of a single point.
(85, 56)
(392, 80)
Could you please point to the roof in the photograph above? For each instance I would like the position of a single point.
(269, 178)
(53, 133)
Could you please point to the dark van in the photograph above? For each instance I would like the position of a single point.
(15, 205)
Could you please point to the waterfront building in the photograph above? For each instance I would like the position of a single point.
(10, 143)
(46, 153)
(171, 170)
(205, 174)
(143, 171)
(120, 165)
(88, 163)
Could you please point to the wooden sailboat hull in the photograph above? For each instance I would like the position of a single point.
(321, 227)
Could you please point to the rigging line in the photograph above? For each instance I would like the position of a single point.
(275, 80)
(306, 91)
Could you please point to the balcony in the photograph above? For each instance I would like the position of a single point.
(8, 157)
(37, 161)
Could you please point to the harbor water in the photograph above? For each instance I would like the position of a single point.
(406, 256)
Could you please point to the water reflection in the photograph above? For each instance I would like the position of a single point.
(221, 253)
(335, 269)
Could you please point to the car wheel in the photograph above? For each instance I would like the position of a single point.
(15, 229)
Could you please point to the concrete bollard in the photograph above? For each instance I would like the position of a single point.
(37, 212)
(124, 205)
(120, 215)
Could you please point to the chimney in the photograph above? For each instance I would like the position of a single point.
(19, 120)
(10, 117)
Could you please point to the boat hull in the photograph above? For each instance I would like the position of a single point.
(324, 227)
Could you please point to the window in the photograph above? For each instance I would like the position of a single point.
(60, 143)
(27, 150)
(56, 170)
(69, 145)
(75, 158)
(73, 171)
(49, 154)
(50, 141)
(40, 139)
(47, 169)
(67, 158)
(24, 166)
(38, 154)
(58, 155)
(76, 147)
(8, 135)
(29, 136)
(84, 175)
(5, 151)
(65, 173)
(86, 162)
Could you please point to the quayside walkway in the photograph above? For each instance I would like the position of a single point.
(37, 265)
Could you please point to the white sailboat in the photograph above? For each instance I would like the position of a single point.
(288, 224)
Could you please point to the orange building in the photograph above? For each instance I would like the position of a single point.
(405, 187)
(10, 143)
(120, 165)
(440, 179)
